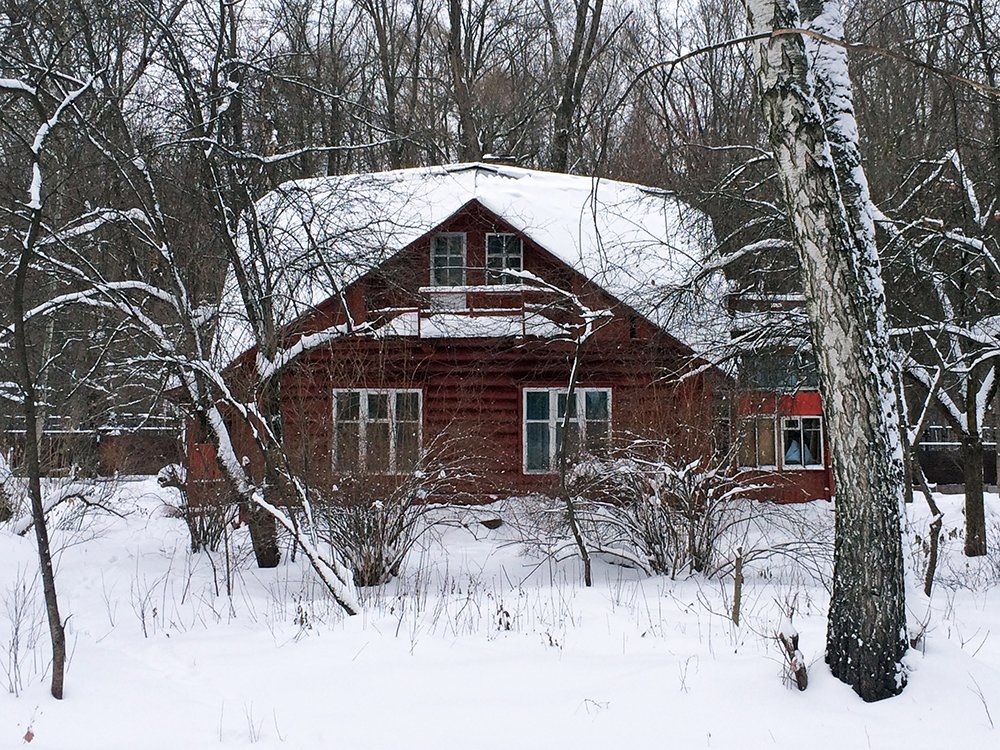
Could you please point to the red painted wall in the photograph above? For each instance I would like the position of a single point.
(791, 485)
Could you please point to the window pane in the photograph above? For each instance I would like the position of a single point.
(347, 446)
(449, 276)
(792, 443)
(537, 444)
(408, 407)
(537, 405)
(407, 446)
(597, 405)
(494, 250)
(378, 406)
(573, 444)
(377, 447)
(765, 442)
(348, 405)
(502, 251)
(561, 406)
(448, 260)
(597, 437)
(748, 445)
(812, 447)
(513, 258)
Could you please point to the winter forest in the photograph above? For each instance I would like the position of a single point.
(499, 373)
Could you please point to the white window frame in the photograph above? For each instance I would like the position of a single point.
(500, 272)
(820, 460)
(433, 254)
(363, 422)
(555, 421)
(775, 422)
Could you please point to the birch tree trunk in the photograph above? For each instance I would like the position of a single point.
(845, 303)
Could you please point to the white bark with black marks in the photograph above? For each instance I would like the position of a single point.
(826, 198)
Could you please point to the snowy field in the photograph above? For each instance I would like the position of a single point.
(478, 644)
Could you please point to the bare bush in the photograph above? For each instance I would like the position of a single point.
(19, 658)
(373, 537)
(207, 525)
(663, 515)
(374, 520)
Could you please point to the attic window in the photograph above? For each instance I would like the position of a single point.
(448, 259)
(503, 253)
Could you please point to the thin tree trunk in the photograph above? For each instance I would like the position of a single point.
(263, 536)
(32, 465)
(846, 308)
(975, 514)
(262, 525)
(568, 499)
(937, 521)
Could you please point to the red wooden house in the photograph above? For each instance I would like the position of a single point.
(470, 289)
(779, 411)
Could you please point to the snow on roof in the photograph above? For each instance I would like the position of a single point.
(323, 234)
(459, 325)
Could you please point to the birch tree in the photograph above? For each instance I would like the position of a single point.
(808, 110)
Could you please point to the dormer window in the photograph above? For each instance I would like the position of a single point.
(503, 253)
(448, 259)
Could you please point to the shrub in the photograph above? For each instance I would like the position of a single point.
(206, 525)
(663, 515)
(373, 537)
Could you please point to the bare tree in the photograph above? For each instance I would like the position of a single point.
(572, 59)
(48, 95)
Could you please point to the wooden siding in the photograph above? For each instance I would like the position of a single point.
(791, 485)
(472, 388)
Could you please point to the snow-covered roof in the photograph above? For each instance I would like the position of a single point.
(323, 234)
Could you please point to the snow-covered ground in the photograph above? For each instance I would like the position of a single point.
(477, 645)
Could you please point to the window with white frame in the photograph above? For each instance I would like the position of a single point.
(503, 253)
(802, 442)
(448, 259)
(545, 409)
(377, 431)
(758, 446)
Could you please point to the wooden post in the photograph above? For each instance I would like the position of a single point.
(738, 586)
